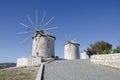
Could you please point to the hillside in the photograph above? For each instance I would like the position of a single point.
(24, 73)
(7, 65)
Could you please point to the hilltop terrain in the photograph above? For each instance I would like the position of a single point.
(23, 73)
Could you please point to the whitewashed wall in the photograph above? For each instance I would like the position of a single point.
(112, 60)
(28, 61)
(43, 46)
(71, 51)
(84, 55)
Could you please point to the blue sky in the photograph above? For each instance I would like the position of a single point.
(87, 21)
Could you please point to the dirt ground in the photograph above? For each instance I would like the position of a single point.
(23, 73)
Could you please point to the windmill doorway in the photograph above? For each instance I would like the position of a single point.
(37, 54)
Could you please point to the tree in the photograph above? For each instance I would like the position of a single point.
(117, 50)
(100, 47)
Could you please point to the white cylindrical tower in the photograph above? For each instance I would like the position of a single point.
(43, 44)
(84, 55)
(71, 50)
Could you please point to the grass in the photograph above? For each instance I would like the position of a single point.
(24, 73)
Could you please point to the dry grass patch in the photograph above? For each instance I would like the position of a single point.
(24, 73)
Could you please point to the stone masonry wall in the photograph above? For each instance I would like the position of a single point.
(112, 60)
(28, 61)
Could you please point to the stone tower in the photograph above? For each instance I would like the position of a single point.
(71, 50)
(84, 55)
(43, 44)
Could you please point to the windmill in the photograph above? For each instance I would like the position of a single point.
(43, 42)
(71, 49)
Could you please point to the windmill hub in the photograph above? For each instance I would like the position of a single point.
(40, 32)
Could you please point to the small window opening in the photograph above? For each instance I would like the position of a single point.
(37, 53)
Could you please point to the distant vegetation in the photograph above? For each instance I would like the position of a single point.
(7, 65)
(102, 47)
(117, 49)
(24, 73)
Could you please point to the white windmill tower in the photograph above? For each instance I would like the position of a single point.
(71, 50)
(43, 42)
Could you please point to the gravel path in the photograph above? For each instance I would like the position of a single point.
(79, 70)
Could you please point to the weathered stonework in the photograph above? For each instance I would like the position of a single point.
(42, 48)
(28, 61)
(71, 50)
(43, 45)
(112, 60)
(84, 55)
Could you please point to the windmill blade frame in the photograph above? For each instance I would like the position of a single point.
(35, 27)
(25, 39)
(43, 17)
(27, 26)
(47, 22)
(36, 19)
(31, 21)
(25, 32)
(51, 28)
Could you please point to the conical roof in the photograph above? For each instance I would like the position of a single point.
(42, 33)
(72, 42)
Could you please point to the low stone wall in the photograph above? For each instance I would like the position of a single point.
(40, 72)
(112, 60)
(41, 69)
(28, 61)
